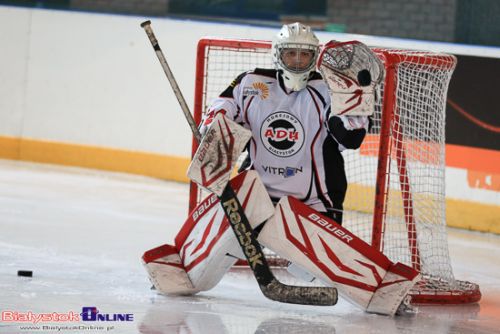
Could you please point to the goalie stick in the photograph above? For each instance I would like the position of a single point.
(269, 285)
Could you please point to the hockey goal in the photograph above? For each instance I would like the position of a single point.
(396, 193)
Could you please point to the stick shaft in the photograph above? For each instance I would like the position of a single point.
(175, 87)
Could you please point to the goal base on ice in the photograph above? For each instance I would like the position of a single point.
(441, 292)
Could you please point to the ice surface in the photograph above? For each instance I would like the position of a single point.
(82, 233)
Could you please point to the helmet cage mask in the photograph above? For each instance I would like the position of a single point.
(298, 50)
(300, 38)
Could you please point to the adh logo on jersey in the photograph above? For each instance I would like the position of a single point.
(282, 134)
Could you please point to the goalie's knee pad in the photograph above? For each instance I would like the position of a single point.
(206, 247)
(361, 273)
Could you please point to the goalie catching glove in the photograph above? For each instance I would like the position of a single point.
(352, 72)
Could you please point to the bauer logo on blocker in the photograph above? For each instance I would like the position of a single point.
(282, 134)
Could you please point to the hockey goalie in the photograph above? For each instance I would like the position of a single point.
(294, 122)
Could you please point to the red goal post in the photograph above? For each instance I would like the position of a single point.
(396, 187)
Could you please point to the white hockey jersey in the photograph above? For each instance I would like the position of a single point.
(290, 135)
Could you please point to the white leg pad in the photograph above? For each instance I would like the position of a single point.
(392, 290)
(362, 274)
(166, 271)
(206, 245)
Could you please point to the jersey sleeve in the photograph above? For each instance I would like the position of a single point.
(348, 131)
(320, 91)
(228, 103)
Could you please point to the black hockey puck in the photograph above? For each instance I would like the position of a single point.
(25, 273)
(364, 78)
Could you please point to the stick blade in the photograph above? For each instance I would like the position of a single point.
(145, 23)
(303, 295)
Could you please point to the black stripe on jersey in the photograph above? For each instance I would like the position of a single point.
(315, 76)
(282, 84)
(318, 94)
(317, 183)
(228, 92)
(309, 191)
(267, 72)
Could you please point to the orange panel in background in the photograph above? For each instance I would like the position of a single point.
(483, 180)
(482, 165)
(473, 159)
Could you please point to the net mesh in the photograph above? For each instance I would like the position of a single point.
(414, 194)
(413, 222)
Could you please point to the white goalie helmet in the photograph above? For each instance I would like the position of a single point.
(295, 50)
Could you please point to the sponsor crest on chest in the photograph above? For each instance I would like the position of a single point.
(282, 134)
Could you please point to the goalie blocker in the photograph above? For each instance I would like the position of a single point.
(206, 248)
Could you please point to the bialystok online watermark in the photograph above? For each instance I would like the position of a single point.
(62, 328)
(89, 314)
